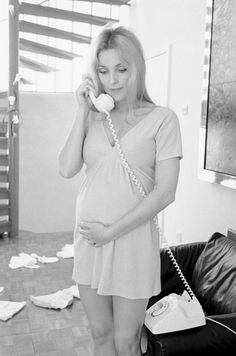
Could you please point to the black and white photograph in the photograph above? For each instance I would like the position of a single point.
(117, 177)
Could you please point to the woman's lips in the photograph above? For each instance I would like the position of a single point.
(115, 89)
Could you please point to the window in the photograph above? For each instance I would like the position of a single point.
(69, 72)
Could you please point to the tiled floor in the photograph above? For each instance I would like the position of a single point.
(35, 330)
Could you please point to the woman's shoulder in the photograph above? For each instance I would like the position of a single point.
(162, 118)
(144, 109)
(157, 109)
(166, 121)
(158, 114)
(164, 110)
(164, 114)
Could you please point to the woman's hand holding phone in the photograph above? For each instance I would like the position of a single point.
(82, 93)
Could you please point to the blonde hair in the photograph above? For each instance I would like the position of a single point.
(130, 49)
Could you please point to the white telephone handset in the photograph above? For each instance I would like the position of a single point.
(174, 312)
(103, 103)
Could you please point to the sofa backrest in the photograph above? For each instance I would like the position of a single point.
(186, 256)
(214, 275)
(231, 234)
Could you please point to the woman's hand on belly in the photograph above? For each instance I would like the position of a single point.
(96, 233)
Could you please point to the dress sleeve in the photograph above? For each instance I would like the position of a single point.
(168, 138)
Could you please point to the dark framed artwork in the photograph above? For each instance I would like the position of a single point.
(218, 115)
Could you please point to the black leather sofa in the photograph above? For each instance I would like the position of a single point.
(210, 269)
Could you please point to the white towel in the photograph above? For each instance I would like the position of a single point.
(67, 251)
(58, 300)
(8, 309)
(23, 260)
(44, 259)
(74, 290)
(30, 261)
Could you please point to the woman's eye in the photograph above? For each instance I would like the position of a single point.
(122, 70)
(102, 72)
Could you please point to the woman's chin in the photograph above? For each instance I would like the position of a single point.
(118, 97)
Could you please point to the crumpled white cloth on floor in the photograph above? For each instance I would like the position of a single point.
(23, 260)
(67, 251)
(29, 261)
(58, 300)
(74, 290)
(44, 259)
(8, 309)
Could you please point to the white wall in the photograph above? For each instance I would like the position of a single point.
(201, 208)
(47, 201)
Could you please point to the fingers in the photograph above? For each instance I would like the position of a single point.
(82, 92)
(88, 82)
(88, 78)
(84, 225)
(89, 232)
(88, 238)
(90, 241)
(84, 230)
(84, 233)
(84, 88)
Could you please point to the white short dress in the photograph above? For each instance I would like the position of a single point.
(129, 266)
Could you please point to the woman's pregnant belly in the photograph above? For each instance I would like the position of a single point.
(106, 194)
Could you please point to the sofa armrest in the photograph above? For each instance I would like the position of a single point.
(211, 339)
(229, 320)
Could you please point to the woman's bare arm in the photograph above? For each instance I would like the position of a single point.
(167, 172)
(70, 159)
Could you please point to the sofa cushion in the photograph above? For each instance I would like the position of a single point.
(214, 276)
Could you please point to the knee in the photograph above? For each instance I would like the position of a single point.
(127, 343)
(101, 335)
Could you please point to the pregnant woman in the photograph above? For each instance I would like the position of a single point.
(116, 243)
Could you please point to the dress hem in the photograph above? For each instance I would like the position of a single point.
(117, 294)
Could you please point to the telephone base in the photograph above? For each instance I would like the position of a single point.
(164, 329)
(174, 313)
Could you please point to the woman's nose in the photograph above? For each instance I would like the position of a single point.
(113, 78)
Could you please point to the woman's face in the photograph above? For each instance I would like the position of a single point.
(113, 74)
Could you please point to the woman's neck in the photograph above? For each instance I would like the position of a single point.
(121, 107)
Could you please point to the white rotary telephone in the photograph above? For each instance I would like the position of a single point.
(174, 312)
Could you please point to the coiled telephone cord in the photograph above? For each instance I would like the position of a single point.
(141, 190)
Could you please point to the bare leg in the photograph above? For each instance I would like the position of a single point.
(144, 342)
(98, 309)
(129, 317)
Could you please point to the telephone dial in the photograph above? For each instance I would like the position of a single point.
(103, 103)
(174, 312)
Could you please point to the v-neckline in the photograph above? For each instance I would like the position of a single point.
(126, 133)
